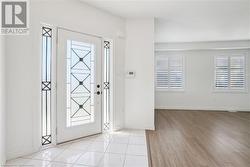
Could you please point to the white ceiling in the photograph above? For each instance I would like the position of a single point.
(168, 8)
(182, 17)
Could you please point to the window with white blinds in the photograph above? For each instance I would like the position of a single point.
(169, 72)
(230, 73)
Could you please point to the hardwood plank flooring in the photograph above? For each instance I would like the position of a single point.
(200, 139)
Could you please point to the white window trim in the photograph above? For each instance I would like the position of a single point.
(232, 90)
(183, 76)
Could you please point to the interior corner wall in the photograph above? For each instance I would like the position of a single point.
(2, 102)
(24, 62)
(139, 90)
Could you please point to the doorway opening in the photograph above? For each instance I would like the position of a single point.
(82, 67)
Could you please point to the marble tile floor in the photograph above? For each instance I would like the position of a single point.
(125, 148)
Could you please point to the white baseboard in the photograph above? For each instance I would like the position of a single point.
(201, 109)
(232, 111)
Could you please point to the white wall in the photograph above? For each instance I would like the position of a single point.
(139, 91)
(23, 66)
(203, 21)
(2, 101)
(199, 77)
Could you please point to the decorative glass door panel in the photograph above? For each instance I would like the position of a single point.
(80, 83)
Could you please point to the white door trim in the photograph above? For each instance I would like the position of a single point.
(54, 83)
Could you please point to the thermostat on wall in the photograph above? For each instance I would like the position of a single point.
(130, 74)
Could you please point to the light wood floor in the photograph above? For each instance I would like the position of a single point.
(200, 139)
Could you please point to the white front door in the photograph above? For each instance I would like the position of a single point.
(78, 85)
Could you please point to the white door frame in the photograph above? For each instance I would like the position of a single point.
(54, 82)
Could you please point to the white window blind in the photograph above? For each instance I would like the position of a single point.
(230, 72)
(169, 72)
